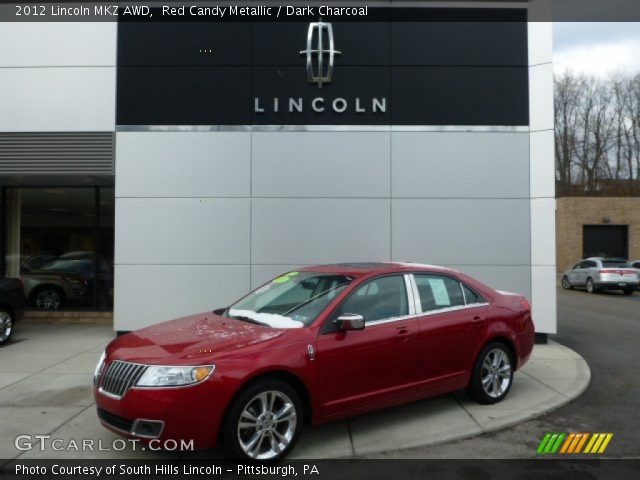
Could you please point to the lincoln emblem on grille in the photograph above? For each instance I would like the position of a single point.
(318, 71)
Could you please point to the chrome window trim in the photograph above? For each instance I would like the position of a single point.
(410, 294)
(454, 309)
(388, 320)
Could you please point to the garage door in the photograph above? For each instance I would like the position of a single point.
(606, 241)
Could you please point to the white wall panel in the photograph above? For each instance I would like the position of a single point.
(183, 164)
(542, 164)
(148, 294)
(195, 231)
(307, 231)
(460, 165)
(46, 44)
(541, 97)
(321, 164)
(57, 99)
(543, 231)
(543, 298)
(461, 232)
(540, 42)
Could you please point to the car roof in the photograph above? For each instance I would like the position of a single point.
(359, 269)
(607, 259)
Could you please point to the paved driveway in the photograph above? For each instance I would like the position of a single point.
(605, 330)
(45, 388)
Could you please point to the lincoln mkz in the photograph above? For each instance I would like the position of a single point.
(310, 346)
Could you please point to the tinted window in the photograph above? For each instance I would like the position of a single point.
(614, 264)
(378, 299)
(589, 264)
(471, 297)
(636, 265)
(438, 292)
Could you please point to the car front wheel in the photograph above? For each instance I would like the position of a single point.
(6, 326)
(492, 374)
(48, 298)
(566, 284)
(264, 422)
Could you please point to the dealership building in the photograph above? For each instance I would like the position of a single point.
(171, 166)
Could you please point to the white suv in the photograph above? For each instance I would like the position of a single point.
(602, 274)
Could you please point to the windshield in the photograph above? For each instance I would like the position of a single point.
(72, 266)
(614, 264)
(293, 300)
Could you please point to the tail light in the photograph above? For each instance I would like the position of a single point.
(616, 272)
(525, 304)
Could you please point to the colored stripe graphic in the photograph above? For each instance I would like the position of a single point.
(572, 443)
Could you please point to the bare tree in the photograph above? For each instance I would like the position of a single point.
(597, 133)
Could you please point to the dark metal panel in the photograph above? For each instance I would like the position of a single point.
(69, 153)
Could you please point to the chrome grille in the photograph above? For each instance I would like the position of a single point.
(120, 377)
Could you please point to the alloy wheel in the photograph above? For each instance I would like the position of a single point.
(48, 300)
(565, 283)
(496, 373)
(267, 425)
(6, 326)
(590, 287)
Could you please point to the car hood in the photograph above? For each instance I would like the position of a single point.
(197, 339)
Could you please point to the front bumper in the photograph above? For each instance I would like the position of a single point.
(172, 413)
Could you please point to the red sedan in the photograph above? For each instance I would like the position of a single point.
(310, 346)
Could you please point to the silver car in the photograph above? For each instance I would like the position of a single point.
(598, 273)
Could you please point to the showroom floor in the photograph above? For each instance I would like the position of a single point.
(46, 377)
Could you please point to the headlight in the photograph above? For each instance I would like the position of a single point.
(156, 376)
(99, 367)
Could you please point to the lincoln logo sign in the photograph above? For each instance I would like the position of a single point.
(320, 73)
(320, 65)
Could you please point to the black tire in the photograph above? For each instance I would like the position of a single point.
(629, 291)
(476, 390)
(43, 298)
(231, 432)
(566, 284)
(6, 322)
(591, 288)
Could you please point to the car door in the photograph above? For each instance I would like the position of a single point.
(452, 320)
(377, 364)
(574, 274)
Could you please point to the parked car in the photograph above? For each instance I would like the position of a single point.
(57, 283)
(310, 346)
(635, 264)
(599, 273)
(11, 307)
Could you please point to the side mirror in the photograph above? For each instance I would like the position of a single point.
(350, 321)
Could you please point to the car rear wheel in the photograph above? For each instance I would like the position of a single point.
(591, 288)
(566, 284)
(492, 374)
(264, 422)
(6, 326)
(629, 291)
(48, 298)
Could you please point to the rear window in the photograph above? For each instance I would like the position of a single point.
(614, 264)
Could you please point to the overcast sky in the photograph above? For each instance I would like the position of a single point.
(597, 48)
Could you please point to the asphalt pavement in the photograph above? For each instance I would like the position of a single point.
(605, 329)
